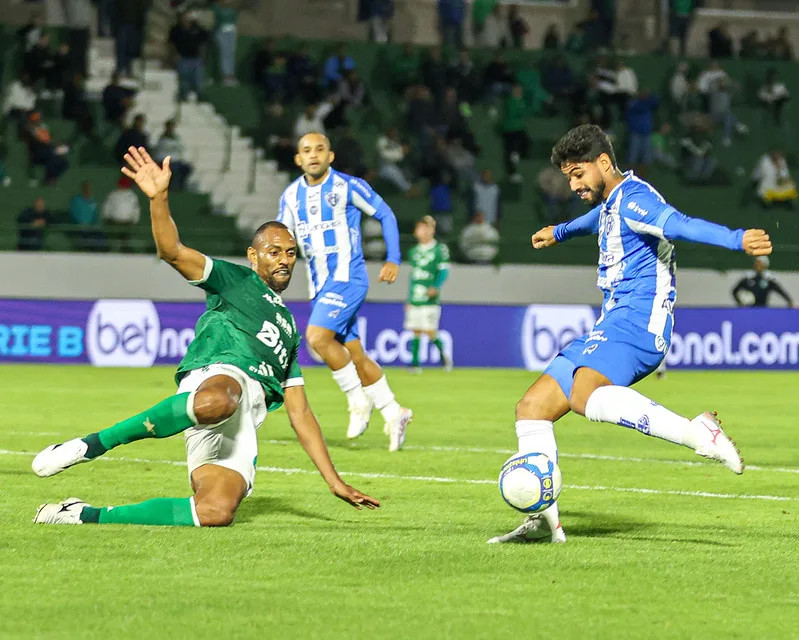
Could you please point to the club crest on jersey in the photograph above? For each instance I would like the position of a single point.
(332, 199)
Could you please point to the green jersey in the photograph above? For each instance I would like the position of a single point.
(429, 268)
(246, 325)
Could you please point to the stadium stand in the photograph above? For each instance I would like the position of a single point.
(236, 180)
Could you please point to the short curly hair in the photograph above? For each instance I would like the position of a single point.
(582, 144)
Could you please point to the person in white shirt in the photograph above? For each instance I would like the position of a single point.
(774, 182)
(626, 80)
(392, 152)
(678, 85)
(495, 32)
(312, 120)
(171, 145)
(773, 95)
(20, 99)
(121, 211)
(711, 77)
(479, 241)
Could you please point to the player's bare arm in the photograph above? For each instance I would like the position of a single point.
(756, 242)
(544, 238)
(305, 424)
(153, 180)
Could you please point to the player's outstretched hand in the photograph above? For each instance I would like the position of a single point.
(152, 179)
(354, 497)
(756, 242)
(544, 238)
(388, 273)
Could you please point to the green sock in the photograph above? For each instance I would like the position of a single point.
(164, 512)
(439, 346)
(415, 352)
(165, 419)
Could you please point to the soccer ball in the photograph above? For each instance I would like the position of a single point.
(530, 482)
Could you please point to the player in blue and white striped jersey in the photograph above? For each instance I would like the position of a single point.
(323, 208)
(591, 376)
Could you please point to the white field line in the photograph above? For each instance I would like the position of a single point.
(444, 480)
(506, 452)
(578, 456)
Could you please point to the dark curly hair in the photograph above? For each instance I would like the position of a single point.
(582, 144)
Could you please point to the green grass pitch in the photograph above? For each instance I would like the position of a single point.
(660, 543)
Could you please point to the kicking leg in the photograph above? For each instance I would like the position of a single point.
(214, 400)
(597, 398)
(376, 388)
(345, 373)
(544, 403)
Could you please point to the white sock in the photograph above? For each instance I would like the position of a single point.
(538, 436)
(349, 382)
(383, 398)
(628, 408)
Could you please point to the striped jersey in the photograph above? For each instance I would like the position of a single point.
(637, 269)
(326, 222)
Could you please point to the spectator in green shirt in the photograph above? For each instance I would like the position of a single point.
(481, 9)
(514, 133)
(226, 18)
(680, 15)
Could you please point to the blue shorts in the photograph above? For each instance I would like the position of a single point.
(336, 307)
(621, 350)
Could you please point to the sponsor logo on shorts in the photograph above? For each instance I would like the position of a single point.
(643, 424)
(590, 349)
(333, 299)
(334, 313)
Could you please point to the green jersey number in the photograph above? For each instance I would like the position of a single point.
(270, 336)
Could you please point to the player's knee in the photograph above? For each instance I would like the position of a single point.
(215, 404)
(577, 401)
(214, 512)
(317, 340)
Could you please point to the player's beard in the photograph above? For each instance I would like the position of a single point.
(278, 283)
(596, 194)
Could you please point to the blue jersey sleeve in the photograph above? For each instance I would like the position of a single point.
(651, 214)
(681, 227)
(369, 202)
(585, 225)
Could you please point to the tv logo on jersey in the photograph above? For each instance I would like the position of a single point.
(546, 329)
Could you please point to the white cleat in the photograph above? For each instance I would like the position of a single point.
(65, 512)
(359, 420)
(416, 371)
(57, 457)
(713, 443)
(448, 366)
(396, 429)
(535, 528)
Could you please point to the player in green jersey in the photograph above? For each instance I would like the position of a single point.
(429, 262)
(241, 364)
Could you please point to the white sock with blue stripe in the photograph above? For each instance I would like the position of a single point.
(628, 408)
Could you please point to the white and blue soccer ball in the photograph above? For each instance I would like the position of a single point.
(530, 482)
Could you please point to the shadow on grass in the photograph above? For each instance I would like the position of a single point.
(598, 525)
(263, 505)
